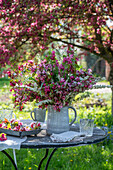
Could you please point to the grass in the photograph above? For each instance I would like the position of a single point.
(91, 157)
(4, 82)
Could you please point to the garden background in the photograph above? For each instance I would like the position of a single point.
(27, 29)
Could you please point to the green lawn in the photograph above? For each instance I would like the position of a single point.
(91, 157)
(3, 82)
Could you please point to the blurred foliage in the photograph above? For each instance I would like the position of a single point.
(100, 114)
(4, 82)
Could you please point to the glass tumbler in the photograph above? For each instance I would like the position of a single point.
(86, 127)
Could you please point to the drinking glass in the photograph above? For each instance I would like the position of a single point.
(8, 114)
(86, 127)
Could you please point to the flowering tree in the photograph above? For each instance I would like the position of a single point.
(37, 23)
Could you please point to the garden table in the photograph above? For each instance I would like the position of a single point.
(42, 140)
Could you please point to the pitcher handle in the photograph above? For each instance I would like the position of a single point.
(75, 114)
(32, 115)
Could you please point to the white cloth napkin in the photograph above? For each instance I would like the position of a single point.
(66, 136)
(12, 142)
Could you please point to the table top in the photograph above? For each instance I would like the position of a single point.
(42, 140)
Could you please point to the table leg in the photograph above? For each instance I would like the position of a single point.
(10, 159)
(46, 154)
(50, 158)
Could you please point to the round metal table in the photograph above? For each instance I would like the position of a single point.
(42, 140)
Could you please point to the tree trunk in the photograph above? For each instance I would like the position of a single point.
(107, 70)
(110, 79)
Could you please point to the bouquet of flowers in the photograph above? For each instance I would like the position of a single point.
(50, 82)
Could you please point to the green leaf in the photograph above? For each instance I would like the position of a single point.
(31, 78)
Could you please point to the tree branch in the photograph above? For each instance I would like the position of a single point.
(75, 45)
(111, 6)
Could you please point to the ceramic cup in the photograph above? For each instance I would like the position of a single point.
(86, 127)
(38, 114)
